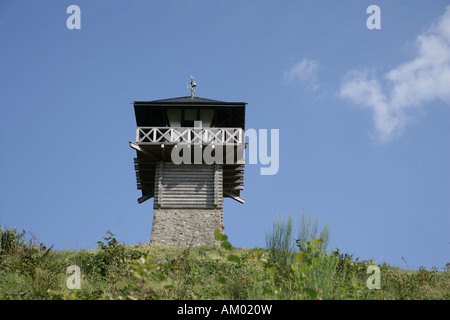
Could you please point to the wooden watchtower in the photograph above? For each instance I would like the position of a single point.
(188, 196)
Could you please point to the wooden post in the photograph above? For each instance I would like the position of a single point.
(216, 185)
(160, 183)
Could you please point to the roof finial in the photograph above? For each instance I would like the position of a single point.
(191, 86)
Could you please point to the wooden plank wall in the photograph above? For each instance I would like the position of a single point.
(192, 186)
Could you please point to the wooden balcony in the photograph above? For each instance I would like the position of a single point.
(154, 145)
(204, 136)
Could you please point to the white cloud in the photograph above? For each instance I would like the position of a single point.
(403, 91)
(304, 71)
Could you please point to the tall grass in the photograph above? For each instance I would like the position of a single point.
(324, 272)
(281, 241)
(309, 229)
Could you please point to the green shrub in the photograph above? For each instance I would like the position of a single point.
(113, 257)
(11, 239)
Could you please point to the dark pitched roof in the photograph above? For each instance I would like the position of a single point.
(186, 100)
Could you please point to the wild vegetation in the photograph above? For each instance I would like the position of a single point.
(290, 267)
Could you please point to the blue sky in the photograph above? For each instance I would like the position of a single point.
(363, 116)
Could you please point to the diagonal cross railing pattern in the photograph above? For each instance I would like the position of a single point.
(157, 135)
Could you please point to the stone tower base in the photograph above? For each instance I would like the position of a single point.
(186, 226)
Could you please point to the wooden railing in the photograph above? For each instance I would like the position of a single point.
(154, 135)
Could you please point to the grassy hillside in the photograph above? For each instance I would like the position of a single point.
(144, 271)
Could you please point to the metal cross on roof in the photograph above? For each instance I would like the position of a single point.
(191, 86)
